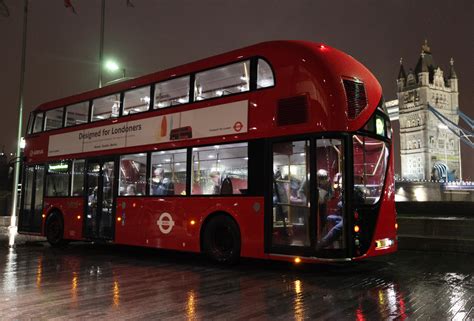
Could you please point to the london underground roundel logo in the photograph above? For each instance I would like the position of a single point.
(165, 223)
(238, 126)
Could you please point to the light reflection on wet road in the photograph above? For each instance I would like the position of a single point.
(86, 281)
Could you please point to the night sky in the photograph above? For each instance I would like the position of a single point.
(63, 47)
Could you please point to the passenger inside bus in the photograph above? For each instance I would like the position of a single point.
(216, 184)
(131, 190)
(161, 185)
(325, 193)
(221, 185)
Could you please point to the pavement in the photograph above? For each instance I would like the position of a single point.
(97, 281)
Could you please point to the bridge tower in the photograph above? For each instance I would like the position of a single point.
(428, 148)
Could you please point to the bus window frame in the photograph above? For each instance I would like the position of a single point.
(191, 78)
(122, 100)
(62, 121)
(46, 174)
(253, 60)
(119, 165)
(380, 113)
(34, 119)
(29, 126)
(248, 165)
(65, 114)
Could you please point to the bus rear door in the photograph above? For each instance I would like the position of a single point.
(99, 222)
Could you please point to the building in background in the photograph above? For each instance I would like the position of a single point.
(427, 100)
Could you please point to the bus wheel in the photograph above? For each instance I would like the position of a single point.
(221, 240)
(55, 230)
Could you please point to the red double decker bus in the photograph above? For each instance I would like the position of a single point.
(280, 150)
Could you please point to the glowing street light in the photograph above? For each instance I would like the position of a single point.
(111, 65)
(22, 143)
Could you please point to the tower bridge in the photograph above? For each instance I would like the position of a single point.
(428, 112)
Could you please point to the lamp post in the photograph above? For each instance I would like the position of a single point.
(16, 172)
(101, 44)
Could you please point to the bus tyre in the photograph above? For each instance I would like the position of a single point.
(221, 240)
(55, 230)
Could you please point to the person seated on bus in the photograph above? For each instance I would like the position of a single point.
(336, 230)
(92, 197)
(161, 185)
(131, 190)
(337, 220)
(226, 186)
(325, 193)
(215, 177)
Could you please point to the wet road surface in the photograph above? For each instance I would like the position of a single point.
(86, 281)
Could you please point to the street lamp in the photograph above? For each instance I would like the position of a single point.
(112, 66)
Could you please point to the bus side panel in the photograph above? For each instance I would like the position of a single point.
(72, 209)
(166, 222)
(137, 222)
(248, 212)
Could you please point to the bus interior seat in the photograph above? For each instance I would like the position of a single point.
(226, 186)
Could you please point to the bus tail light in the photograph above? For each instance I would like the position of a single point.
(356, 228)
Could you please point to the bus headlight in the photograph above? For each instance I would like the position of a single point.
(383, 244)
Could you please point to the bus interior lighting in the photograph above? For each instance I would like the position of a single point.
(56, 167)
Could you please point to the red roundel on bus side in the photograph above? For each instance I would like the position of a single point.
(238, 126)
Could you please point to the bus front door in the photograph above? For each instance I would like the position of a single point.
(100, 203)
(307, 206)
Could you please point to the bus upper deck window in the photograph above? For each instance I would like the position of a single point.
(106, 107)
(222, 81)
(172, 92)
(54, 119)
(38, 124)
(30, 123)
(264, 75)
(136, 101)
(77, 114)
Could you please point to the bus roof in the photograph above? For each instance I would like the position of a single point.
(264, 49)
